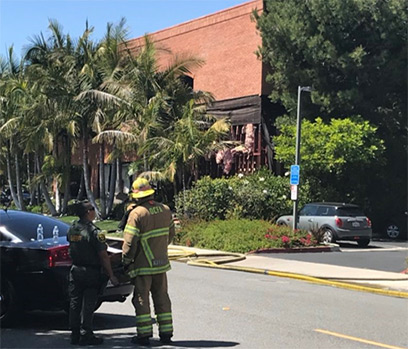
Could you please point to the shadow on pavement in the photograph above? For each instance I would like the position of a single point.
(194, 344)
(58, 321)
(354, 245)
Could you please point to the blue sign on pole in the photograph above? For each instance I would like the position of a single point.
(294, 174)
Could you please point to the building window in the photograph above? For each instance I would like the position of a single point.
(188, 81)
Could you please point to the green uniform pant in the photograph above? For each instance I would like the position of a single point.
(84, 284)
(157, 286)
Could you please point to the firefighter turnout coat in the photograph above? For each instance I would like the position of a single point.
(148, 232)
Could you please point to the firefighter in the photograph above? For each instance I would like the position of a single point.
(148, 231)
(88, 251)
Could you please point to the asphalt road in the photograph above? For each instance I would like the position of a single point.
(379, 255)
(219, 308)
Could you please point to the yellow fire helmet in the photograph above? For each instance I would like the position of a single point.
(141, 189)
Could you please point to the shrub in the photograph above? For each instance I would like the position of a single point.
(240, 235)
(35, 209)
(261, 195)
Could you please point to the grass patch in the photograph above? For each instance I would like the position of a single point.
(109, 225)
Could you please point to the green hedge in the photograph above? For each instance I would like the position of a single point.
(261, 195)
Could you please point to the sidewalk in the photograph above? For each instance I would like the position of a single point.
(354, 278)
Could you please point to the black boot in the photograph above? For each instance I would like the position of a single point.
(75, 336)
(165, 338)
(140, 340)
(90, 340)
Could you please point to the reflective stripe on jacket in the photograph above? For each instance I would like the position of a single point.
(148, 231)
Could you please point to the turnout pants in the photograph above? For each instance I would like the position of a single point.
(157, 286)
(84, 284)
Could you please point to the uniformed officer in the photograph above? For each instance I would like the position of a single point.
(87, 248)
(148, 232)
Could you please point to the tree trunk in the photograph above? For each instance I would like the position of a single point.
(66, 174)
(87, 180)
(102, 187)
(44, 190)
(30, 189)
(119, 176)
(112, 185)
(10, 179)
(18, 181)
(57, 196)
(184, 193)
(55, 183)
(81, 190)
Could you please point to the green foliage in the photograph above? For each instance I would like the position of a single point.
(330, 147)
(334, 156)
(108, 225)
(261, 195)
(208, 199)
(353, 54)
(240, 235)
(34, 209)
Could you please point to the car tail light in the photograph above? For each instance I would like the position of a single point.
(338, 221)
(59, 257)
(368, 222)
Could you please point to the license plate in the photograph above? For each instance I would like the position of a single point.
(355, 224)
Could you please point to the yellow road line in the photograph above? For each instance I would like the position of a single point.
(358, 339)
(311, 279)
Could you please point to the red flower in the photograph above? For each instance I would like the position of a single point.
(285, 239)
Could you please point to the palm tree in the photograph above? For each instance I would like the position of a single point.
(177, 151)
(12, 79)
(52, 71)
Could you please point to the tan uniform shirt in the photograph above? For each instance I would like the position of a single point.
(148, 232)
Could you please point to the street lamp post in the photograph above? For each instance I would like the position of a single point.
(297, 154)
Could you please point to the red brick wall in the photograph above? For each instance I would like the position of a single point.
(227, 41)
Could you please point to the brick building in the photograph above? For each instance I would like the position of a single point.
(227, 41)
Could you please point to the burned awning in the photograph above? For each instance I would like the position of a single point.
(241, 111)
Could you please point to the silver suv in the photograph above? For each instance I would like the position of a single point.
(340, 221)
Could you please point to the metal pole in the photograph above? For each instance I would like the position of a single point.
(297, 157)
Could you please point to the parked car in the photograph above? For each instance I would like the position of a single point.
(5, 196)
(340, 221)
(34, 274)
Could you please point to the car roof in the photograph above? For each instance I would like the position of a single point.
(336, 204)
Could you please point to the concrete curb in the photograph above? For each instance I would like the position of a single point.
(344, 285)
(326, 248)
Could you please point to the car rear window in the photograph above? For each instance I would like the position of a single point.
(24, 226)
(349, 211)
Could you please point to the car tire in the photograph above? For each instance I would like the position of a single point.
(8, 303)
(392, 230)
(363, 242)
(328, 236)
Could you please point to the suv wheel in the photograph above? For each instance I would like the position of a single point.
(393, 231)
(328, 236)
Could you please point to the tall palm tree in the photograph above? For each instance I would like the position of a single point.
(52, 71)
(193, 136)
(12, 79)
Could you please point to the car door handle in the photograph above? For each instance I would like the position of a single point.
(310, 220)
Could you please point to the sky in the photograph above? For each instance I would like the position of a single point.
(21, 20)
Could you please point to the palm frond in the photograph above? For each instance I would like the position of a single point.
(115, 136)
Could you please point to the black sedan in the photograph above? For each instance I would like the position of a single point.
(34, 274)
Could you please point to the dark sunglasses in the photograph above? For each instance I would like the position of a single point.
(91, 209)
